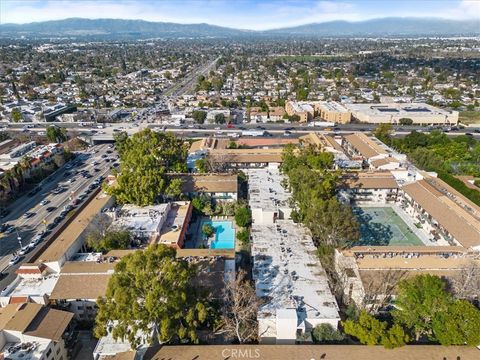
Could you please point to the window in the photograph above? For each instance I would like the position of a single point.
(49, 352)
(58, 351)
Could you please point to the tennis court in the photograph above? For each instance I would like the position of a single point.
(381, 226)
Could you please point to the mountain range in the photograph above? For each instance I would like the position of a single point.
(140, 29)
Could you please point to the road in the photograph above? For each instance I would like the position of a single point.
(26, 228)
(187, 83)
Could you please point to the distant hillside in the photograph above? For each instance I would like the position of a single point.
(386, 27)
(139, 29)
(114, 28)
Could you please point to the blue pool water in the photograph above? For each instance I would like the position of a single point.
(224, 234)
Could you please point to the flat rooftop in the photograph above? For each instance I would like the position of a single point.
(333, 106)
(175, 223)
(265, 190)
(27, 287)
(402, 109)
(287, 272)
(141, 219)
(63, 241)
(286, 269)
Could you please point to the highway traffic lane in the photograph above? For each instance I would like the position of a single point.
(8, 274)
(27, 227)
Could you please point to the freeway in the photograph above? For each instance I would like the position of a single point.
(26, 227)
(187, 83)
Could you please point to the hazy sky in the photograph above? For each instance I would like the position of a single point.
(245, 14)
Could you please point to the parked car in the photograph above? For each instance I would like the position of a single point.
(25, 249)
(14, 260)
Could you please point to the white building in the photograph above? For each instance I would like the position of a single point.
(288, 275)
(391, 113)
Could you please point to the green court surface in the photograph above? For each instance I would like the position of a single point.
(381, 226)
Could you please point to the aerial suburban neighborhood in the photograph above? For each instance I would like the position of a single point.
(273, 189)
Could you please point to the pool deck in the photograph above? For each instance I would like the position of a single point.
(198, 240)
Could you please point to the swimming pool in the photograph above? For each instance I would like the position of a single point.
(224, 234)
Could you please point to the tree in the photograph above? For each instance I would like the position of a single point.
(110, 240)
(294, 118)
(240, 308)
(208, 230)
(366, 329)
(199, 116)
(150, 291)
(371, 331)
(120, 139)
(145, 159)
(325, 333)
(459, 325)
(219, 119)
(383, 132)
(243, 236)
(419, 300)
(405, 121)
(56, 134)
(331, 222)
(16, 115)
(395, 337)
(243, 216)
(201, 165)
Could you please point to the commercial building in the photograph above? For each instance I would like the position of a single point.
(419, 113)
(303, 110)
(288, 276)
(333, 112)
(34, 332)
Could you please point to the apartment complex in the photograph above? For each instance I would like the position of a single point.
(163, 223)
(332, 111)
(34, 332)
(289, 278)
(436, 231)
(304, 110)
(391, 113)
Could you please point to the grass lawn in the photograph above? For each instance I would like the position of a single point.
(469, 117)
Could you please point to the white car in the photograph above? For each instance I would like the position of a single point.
(25, 249)
(44, 202)
(14, 260)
